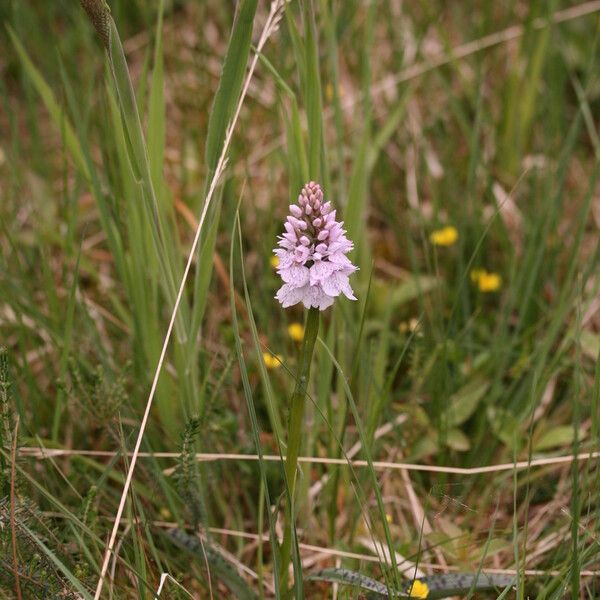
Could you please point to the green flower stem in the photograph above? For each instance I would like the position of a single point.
(294, 437)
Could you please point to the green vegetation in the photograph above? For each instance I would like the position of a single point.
(458, 141)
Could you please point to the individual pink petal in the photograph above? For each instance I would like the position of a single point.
(335, 233)
(321, 270)
(315, 297)
(336, 284)
(345, 286)
(342, 245)
(320, 299)
(296, 275)
(286, 244)
(331, 286)
(301, 254)
(347, 271)
(293, 222)
(288, 295)
(339, 258)
(286, 258)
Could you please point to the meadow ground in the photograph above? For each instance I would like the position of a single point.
(459, 143)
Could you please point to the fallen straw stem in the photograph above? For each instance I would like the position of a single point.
(549, 461)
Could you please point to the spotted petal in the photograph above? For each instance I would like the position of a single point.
(296, 275)
(316, 297)
(320, 271)
(289, 295)
(338, 284)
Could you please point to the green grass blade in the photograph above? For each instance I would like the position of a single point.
(56, 112)
(312, 94)
(230, 84)
(224, 103)
(156, 111)
(253, 418)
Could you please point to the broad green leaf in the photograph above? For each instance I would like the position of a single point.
(590, 344)
(463, 403)
(398, 293)
(457, 440)
(503, 424)
(432, 587)
(557, 437)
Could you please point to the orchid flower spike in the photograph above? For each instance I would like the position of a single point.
(312, 253)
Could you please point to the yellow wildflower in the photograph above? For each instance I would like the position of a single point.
(446, 236)
(329, 91)
(388, 518)
(418, 589)
(272, 361)
(475, 274)
(485, 281)
(490, 282)
(274, 261)
(296, 331)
